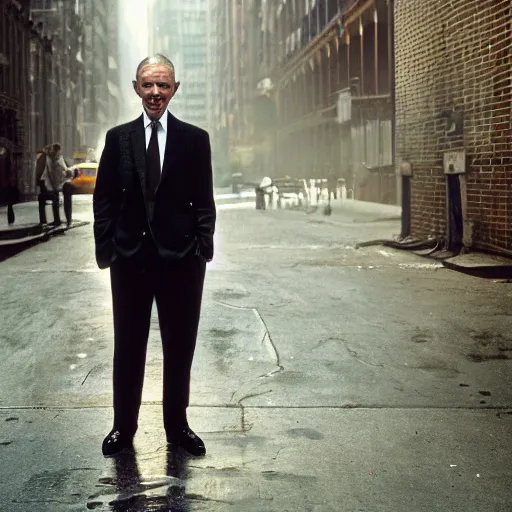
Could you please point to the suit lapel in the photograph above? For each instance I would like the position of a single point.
(138, 140)
(172, 146)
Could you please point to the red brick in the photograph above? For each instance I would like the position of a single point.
(437, 71)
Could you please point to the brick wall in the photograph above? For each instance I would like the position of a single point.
(456, 56)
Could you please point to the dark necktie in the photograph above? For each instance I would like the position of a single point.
(153, 161)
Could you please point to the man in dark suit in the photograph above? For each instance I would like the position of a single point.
(154, 220)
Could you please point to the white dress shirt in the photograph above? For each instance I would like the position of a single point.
(161, 133)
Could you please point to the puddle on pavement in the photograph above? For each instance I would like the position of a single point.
(130, 488)
(151, 495)
(288, 477)
(420, 266)
(308, 433)
(223, 333)
(228, 294)
(490, 346)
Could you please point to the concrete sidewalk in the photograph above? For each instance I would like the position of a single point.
(26, 230)
(478, 264)
(26, 215)
(362, 210)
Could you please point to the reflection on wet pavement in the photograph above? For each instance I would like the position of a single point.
(128, 490)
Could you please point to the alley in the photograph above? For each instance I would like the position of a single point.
(326, 378)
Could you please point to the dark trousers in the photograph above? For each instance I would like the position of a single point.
(67, 194)
(10, 213)
(47, 195)
(177, 288)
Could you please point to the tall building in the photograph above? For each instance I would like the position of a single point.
(58, 81)
(15, 42)
(100, 57)
(305, 86)
(42, 86)
(236, 68)
(334, 91)
(86, 68)
(180, 31)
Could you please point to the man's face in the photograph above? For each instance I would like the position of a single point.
(156, 86)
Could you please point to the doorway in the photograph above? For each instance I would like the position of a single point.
(455, 231)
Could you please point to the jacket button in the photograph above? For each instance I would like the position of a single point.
(191, 204)
(143, 233)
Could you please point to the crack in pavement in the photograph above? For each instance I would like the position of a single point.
(369, 407)
(247, 389)
(355, 355)
(266, 335)
(277, 454)
(88, 373)
(323, 342)
(271, 341)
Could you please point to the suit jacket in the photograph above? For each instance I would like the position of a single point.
(181, 219)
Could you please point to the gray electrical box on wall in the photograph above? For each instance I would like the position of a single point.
(454, 162)
(405, 169)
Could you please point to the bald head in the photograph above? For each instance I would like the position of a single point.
(155, 59)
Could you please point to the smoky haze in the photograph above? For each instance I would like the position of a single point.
(132, 44)
(133, 47)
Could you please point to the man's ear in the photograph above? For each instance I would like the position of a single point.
(176, 86)
(135, 88)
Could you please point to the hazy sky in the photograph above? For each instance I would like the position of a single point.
(133, 47)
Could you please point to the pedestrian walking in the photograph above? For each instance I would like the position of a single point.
(154, 220)
(53, 178)
(41, 166)
(67, 196)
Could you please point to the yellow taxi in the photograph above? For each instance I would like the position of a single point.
(84, 179)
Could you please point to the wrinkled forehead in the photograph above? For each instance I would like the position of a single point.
(156, 72)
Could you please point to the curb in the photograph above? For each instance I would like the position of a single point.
(483, 271)
(501, 269)
(12, 246)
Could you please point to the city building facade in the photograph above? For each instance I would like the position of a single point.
(180, 31)
(100, 59)
(307, 86)
(334, 93)
(20, 41)
(227, 63)
(58, 80)
(454, 130)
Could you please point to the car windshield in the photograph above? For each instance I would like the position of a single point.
(88, 172)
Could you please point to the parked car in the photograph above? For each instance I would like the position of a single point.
(84, 179)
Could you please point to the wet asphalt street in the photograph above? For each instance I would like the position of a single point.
(326, 379)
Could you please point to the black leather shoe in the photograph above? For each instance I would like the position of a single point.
(115, 443)
(189, 441)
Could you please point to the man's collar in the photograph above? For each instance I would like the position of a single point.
(163, 120)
